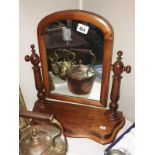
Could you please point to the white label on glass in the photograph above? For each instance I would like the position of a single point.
(82, 28)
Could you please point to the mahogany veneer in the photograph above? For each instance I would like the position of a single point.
(83, 121)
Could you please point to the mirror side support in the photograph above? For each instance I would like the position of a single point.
(35, 60)
(117, 68)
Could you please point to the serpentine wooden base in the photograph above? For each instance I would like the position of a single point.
(83, 121)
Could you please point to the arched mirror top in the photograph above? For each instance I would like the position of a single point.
(62, 44)
(79, 15)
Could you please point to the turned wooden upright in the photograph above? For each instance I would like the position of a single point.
(117, 68)
(35, 60)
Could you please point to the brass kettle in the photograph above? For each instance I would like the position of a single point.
(59, 68)
(42, 139)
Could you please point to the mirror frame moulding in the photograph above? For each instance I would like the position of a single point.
(108, 34)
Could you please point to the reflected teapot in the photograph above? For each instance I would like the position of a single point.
(80, 79)
(66, 64)
(54, 64)
(59, 68)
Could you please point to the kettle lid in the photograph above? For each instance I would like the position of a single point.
(81, 71)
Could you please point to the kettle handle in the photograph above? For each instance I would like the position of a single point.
(73, 56)
(93, 56)
(55, 59)
(35, 115)
(40, 116)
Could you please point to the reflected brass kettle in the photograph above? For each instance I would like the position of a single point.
(54, 64)
(59, 68)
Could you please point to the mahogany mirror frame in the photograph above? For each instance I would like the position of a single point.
(106, 29)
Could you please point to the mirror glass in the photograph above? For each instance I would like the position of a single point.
(74, 51)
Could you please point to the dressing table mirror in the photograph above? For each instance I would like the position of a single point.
(75, 50)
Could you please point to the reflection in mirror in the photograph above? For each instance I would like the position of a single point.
(74, 52)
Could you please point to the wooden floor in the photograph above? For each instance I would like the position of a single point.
(83, 121)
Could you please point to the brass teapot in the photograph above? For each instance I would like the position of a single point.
(59, 68)
(46, 139)
(54, 64)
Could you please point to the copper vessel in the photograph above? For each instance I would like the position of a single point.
(80, 79)
(42, 139)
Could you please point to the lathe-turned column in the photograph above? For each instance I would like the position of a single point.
(35, 60)
(117, 68)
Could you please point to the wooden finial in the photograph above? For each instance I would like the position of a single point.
(32, 46)
(118, 66)
(34, 58)
(119, 53)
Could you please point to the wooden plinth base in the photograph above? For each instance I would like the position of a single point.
(83, 121)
